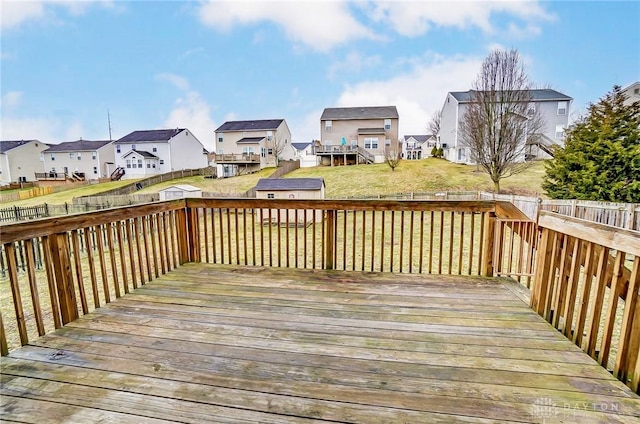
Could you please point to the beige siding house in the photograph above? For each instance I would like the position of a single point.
(248, 146)
(20, 160)
(352, 135)
(79, 160)
(293, 189)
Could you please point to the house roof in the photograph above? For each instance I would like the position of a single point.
(257, 125)
(7, 145)
(150, 135)
(283, 184)
(364, 131)
(300, 146)
(183, 187)
(78, 146)
(250, 140)
(536, 95)
(142, 153)
(419, 138)
(367, 112)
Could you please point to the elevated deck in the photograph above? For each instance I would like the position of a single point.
(221, 343)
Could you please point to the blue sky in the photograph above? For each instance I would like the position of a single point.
(198, 64)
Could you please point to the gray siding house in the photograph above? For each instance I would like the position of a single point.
(554, 107)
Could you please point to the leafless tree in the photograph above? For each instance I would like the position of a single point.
(392, 158)
(433, 127)
(500, 118)
(277, 143)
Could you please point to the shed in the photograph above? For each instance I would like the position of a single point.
(294, 189)
(180, 191)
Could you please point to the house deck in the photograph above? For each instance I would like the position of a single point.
(215, 343)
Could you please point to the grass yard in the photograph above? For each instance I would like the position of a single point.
(222, 185)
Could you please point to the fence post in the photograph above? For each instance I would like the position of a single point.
(182, 233)
(488, 244)
(329, 242)
(193, 232)
(64, 277)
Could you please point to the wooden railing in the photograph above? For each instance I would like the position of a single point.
(586, 284)
(237, 158)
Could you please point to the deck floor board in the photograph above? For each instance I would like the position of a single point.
(225, 344)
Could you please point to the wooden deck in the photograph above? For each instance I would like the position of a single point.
(210, 343)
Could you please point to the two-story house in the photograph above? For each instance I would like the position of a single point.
(78, 160)
(553, 107)
(20, 160)
(632, 92)
(145, 153)
(417, 146)
(248, 146)
(352, 135)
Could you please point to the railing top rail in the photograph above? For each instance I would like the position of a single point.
(47, 226)
(605, 235)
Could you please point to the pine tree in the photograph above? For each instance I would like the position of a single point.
(601, 157)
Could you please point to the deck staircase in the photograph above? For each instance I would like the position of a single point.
(117, 174)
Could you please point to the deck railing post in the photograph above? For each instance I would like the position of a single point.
(329, 242)
(193, 231)
(64, 277)
(488, 245)
(183, 238)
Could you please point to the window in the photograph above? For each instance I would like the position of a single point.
(354, 142)
(559, 131)
(371, 143)
(387, 142)
(444, 145)
(154, 148)
(95, 170)
(387, 124)
(328, 125)
(271, 196)
(562, 108)
(53, 157)
(269, 151)
(79, 156)
(269, 135)
(154, 164)
(531, 110)
(220, 152)
(94, 155)
(161, 162)
(133, 147)
(140, 165)
(220, 139)
(41, 157)
(118, 148)
(72, 155)
(128, 163)
(148, 165)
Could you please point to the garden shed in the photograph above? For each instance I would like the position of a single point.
(180, 191)
(293, 189)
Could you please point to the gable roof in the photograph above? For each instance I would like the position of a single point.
(536, 95)
(150, 135)
(367, 112)
(142, 153)
(419, 138)
(183, 187)
(78, 146)
(300, 146)
(7, 145)
(257, 125)
(283, 184)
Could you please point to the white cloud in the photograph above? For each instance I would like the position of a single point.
(11, 99)
(416, 18)
(179, 82)
(193, 112)
(353, 62)
(320, 25)
(418, 92)
(14, 13)
(47, 130)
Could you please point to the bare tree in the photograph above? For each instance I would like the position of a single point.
(433, 127)
(277, 143)
(392, 158)
(500, 118)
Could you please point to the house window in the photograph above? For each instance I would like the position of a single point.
(354, 142)
(118, 148)
(387, 124)
(444, 145)
(328, 125)
(220, 139)
(140, 163)
(128, 163)
(94, 155)
(154, 164)
(531, 110)
(148, 165)
(133, 147)
(263, 152)
(53, 157)
(161, 162)
(79, 156)
(269, 151)
(387, 142)
(562, 108)
(95, 170)
(269, 135)
(41, 157)
(72, 155)
(220, 152)
(154, 148)
(371, 143)
(271, 196)
(559, 131)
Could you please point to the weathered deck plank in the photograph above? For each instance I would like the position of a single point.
(240, 344)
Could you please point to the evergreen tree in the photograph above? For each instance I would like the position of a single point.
(601, 157)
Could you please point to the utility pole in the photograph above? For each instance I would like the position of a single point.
(109, 120)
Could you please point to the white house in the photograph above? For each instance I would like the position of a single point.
(553, 106)
(80, 160)
(305, 154)
(150, 152)
(20, 160)
(417, 146)
(632, 92)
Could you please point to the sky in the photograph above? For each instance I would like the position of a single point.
(69, 66)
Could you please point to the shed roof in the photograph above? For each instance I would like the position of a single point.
(284, 184)
(366, 112)
(78, 146)
(255, 125)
